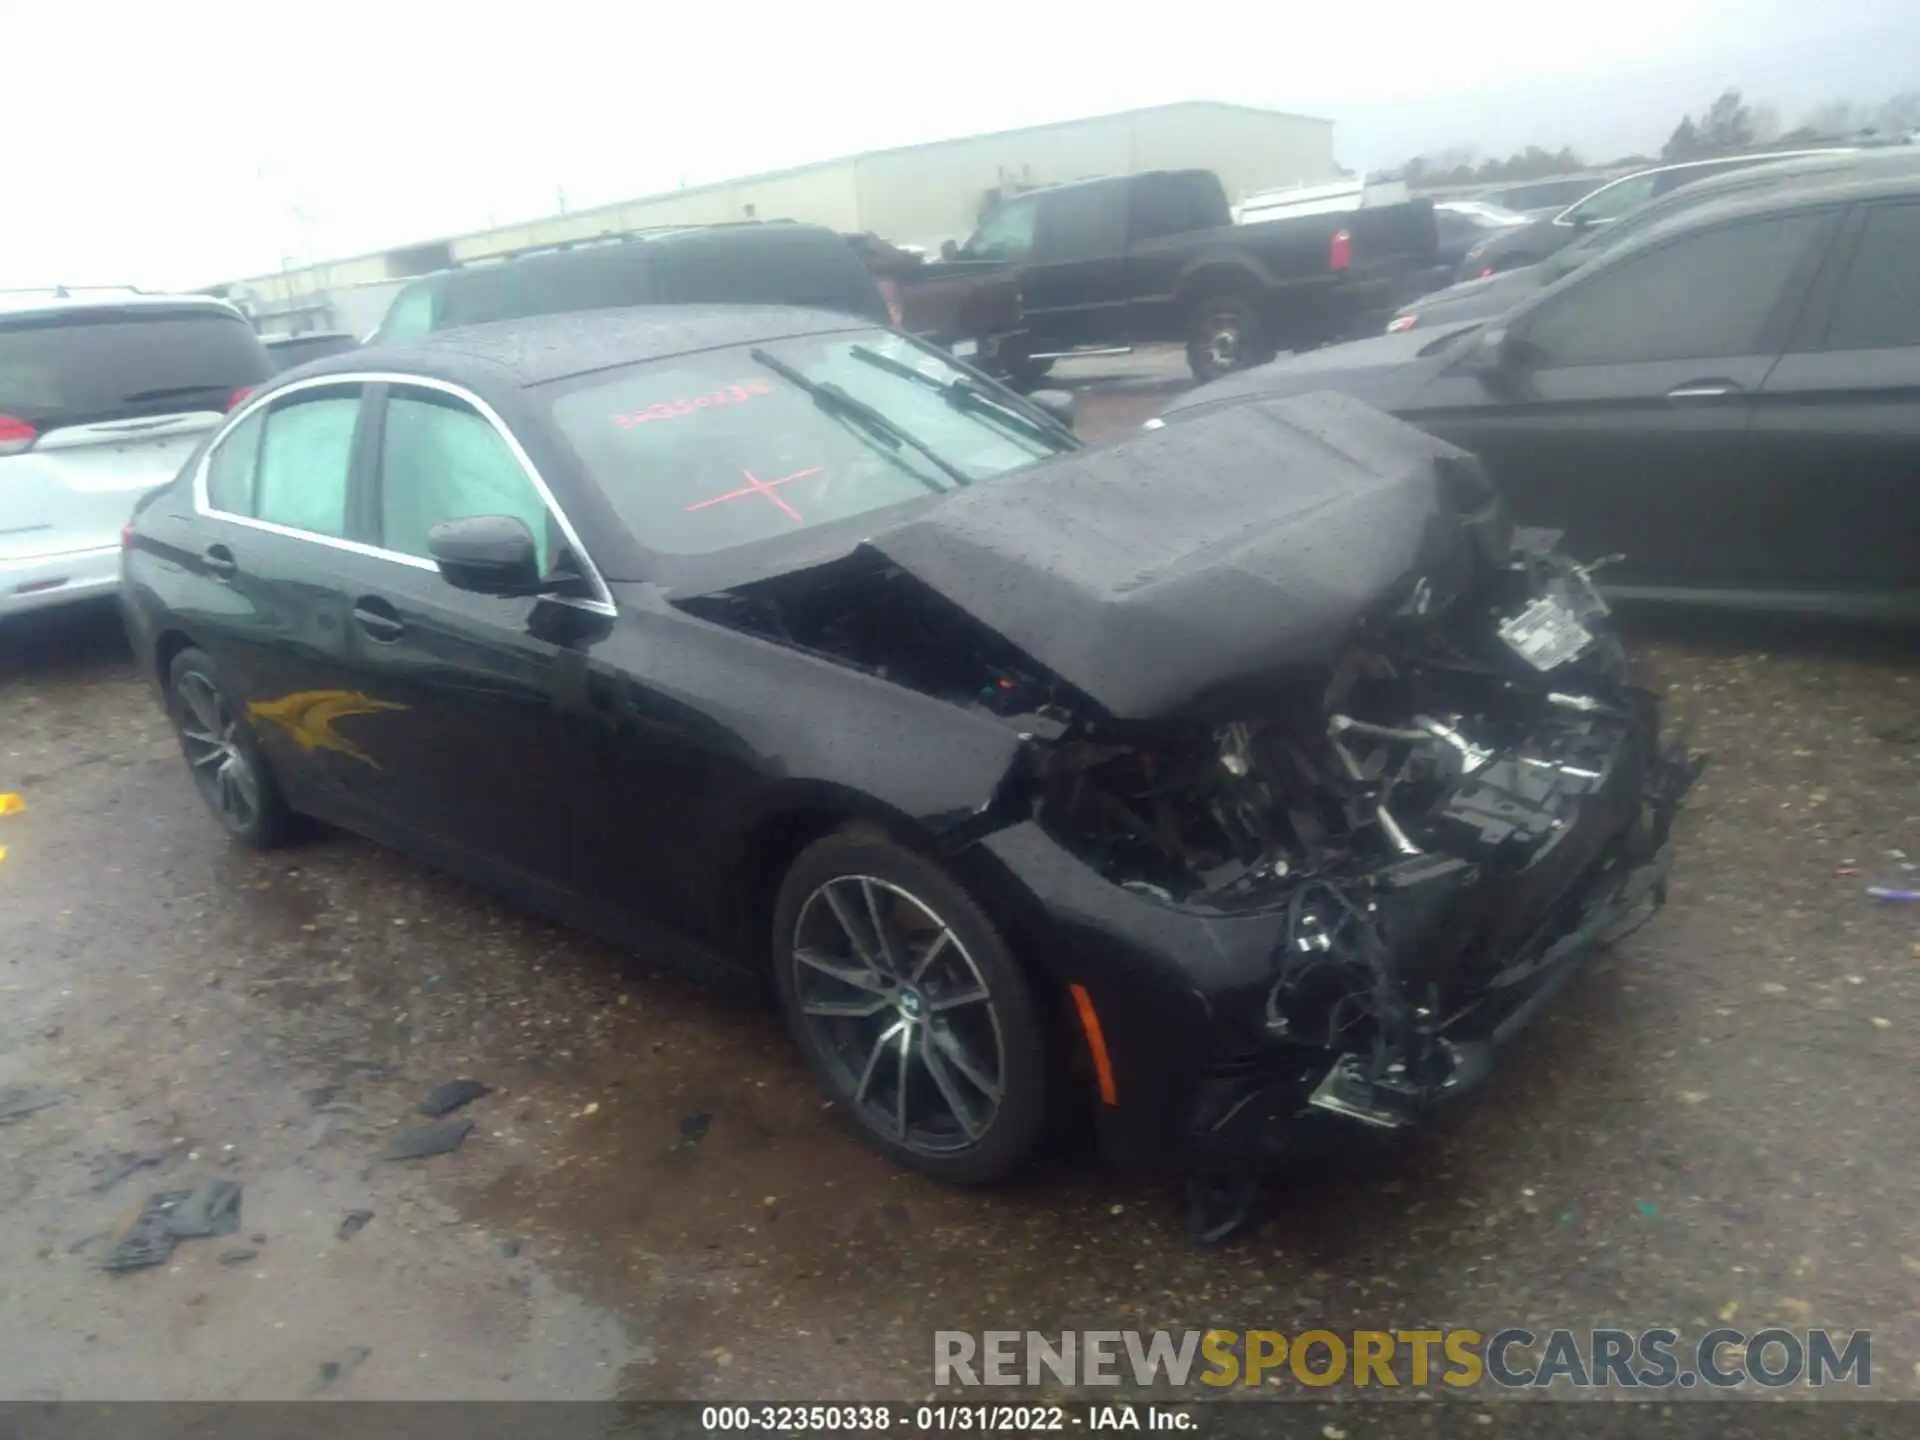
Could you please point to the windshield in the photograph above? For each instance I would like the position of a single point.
(728, 447)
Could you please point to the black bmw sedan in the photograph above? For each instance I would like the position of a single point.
(1236, 780)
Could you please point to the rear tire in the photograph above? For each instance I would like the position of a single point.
(922, 1028)
(225, 764)
(1224, 334)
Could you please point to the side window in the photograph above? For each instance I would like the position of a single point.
(1164, 205)
(1878, 306)
(442, 460)
(230, 468)
(1088, 222)
(1612, 201)
(1702, 297)
(1006, 234)
(306, 460)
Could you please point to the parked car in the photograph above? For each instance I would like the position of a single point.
(103, 396)
(764, 262)
(1492, 295)
(1116, 262)
(291, 350)
(1530, 245)
(1022, 774)
(1727, 401)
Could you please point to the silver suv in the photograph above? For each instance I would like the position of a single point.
(103, 396)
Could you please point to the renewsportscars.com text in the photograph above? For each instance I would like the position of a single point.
(1509, 1359)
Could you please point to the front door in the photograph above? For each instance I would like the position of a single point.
(1624, 414)
(472, 749)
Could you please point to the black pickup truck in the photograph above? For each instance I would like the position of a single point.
(1156, 256)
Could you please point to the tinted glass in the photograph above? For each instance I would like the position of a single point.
(770, 265)
(709, 451)
(305, 459)
(1168, 205)
(1085, 223)
(1613, 201)
(597, 278)
(81, 367)
(1699, 297)
(1007, 234)
(1879, 305)
(230, 466)
(441, 460)
(411, 314)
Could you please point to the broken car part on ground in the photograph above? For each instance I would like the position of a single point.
(1249, 775)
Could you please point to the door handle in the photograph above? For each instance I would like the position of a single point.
(375, 616)
(220, 562)
(1704, 390)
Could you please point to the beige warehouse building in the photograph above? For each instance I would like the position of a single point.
(917, 195)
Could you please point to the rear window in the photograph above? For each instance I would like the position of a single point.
(593, 279)
(82, 367)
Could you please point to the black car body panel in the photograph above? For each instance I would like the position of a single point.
(1118, 569)
(1312, 848)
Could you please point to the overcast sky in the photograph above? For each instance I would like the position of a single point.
(204, 140)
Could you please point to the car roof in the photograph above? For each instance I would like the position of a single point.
(1840, 187)
(544, 348)
(634, 241)
(55, 300)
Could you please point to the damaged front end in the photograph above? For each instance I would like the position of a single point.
(1326, 784)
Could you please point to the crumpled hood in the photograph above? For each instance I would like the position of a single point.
(1385, 372)
(1179, 570)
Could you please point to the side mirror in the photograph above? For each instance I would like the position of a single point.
(949, 250)
(1494, 356)
(1057, 403)
(487, 554)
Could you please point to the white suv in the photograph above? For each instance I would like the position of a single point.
(103, 397)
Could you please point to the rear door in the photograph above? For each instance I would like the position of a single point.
(267, 599)
(101, 404)
(1835, 498)
(1076, 288)
(1626, 417)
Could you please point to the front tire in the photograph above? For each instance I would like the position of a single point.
(910, 1008)
(222, 758)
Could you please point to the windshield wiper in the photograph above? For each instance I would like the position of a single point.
(836, 401)
(962, 393)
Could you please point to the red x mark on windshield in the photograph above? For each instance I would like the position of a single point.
(756, 486)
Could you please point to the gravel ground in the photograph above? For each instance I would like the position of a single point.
(1716, 1124)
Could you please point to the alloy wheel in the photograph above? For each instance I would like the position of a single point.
(901, 1013)
(1225, 331)
(220, 767)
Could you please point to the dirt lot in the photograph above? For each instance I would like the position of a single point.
(1717, 1124)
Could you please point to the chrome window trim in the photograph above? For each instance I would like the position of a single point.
(603, 604)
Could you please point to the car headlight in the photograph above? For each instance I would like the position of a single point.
(1401, 322)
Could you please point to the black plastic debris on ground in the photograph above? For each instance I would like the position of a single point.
(210, 1208)
(19, 1101)
(451, 1096)
(345, 1363)
(352, 1223)
(425, 1140)
(694, 1127)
